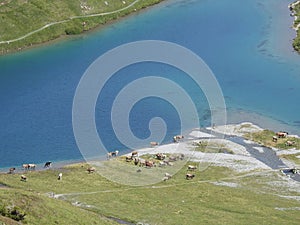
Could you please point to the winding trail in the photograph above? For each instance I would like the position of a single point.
(67, 20)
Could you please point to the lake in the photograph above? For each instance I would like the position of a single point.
(246, 44)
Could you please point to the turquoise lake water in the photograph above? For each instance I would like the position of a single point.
(247, 45)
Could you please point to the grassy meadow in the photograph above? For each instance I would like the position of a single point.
(20, 17)
(209, 198)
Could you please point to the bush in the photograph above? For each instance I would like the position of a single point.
(14, 213)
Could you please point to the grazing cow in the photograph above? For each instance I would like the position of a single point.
(177, 138)
(275, 138)
(290, 143)
(282, 134)
(168, 175)
(11, 170)
(129, 158)
(134, 154)
(25, 166)
(23, 178)
(142, 162)
(181, 157)
(173, 158)
(191, 167)
(32, 166)
(59, 176)
(136, 161)
(149, 164)
(91, 169)
(153, 143)
(189, 176)
(47, 164)
(160, 156)
(162, 164)
(112, 154)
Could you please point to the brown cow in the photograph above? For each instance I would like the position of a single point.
(282, 134)
(91, 169)
(134, 154)
(290, 143)
(11, 170)
(177, 138)
(149, 164)
(153, 143)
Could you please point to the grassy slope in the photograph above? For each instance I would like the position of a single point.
(177, 201)
(296, 43)
(19, 17)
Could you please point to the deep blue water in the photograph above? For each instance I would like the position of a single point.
(247, 45)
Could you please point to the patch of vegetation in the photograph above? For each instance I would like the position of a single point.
(12, 212)
(265, 138)
(69, 17)
(296, 42)
(212, 147)
(292, 157)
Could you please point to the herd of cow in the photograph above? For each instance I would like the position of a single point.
(28, 167)
(283, 134)
(161, 160)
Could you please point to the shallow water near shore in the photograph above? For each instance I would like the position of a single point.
(246, 44)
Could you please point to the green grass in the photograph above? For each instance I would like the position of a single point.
(176, 201)
(296, 43)
(19, 17)
(211, 147)
(265, 138)
(293, 158)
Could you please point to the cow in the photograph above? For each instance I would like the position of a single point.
(275, 138)
(91, 169)
(290, 143)
(177, 138)
(142, 162)
(160, 156)
(25, 166)
(134, 154)
(129, 158)
(31, 166)
(59, 176)
(11, 170)
(181, 157)
(282, 134)
(173, 158)
(149, 164)
(153, 143)
(136, 161)
(167, 177)
(162, 164)
(112, 154)
(23, 178)
(191, 167)
(189, 176)
(47, 164)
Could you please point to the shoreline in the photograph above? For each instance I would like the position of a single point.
(63, 37)
(296, 25)
(208, 134)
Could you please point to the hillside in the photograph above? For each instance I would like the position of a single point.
(27, 23)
